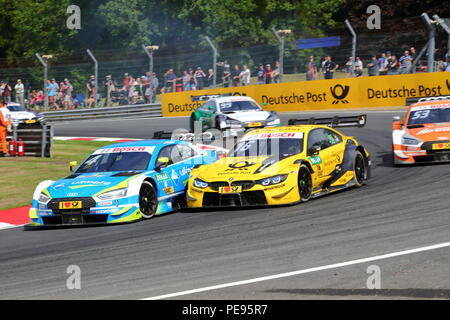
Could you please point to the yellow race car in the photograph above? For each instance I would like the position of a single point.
(283, 165)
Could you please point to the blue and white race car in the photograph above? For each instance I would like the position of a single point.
(118, 183)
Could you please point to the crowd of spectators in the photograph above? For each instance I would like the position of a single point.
(145, 88)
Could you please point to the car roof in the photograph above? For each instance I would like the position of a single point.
(233, 98)
(430, 103)
(293, 128)
(144, 143)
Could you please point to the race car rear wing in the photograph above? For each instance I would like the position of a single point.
(207, 97)
(410, 101)
(334, 122)
(188, 136)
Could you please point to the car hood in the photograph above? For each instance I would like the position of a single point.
(23, 115)
(88, 184)
(247, 116)
(242, 168)
(432, 132)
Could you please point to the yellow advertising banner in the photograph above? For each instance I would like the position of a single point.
(378, 91)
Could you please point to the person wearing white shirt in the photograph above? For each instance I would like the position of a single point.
(20, 92)
(245, 75)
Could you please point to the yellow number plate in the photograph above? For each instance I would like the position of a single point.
(30, 121)
(255, 124)
(439, 146)
(235, 189)
(70, 205)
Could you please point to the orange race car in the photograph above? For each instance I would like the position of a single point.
(423, 135)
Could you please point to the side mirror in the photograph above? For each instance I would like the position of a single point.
(162, 162)
(396, 118)
(72, 164)
(314, 150)
(210, 108)
(396, 123)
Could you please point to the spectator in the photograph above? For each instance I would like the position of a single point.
(2, 88)
(110, 87)
(155, 85)
(19, 88)
(170, 81)
(67, 90)
(27, 87)
(268, 74)
(186, 79)
(276, 73)
(92, 90)
(329, 67)
(235, 76)
(348, 66)
(51, 91)
(192, 81)
(372, 66)
(126, 82)
(358, 71)
(382, 65)
(405, 62)
(311, 69)
(260, 75)
(226, 72)
(412, 53)
(245, 75)
(209, 78)
(393, 65)
(447, 65)
(7, 92)
(359, 63)
(140, 90)
(199, 77)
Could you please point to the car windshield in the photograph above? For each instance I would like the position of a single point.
(123, 161)
(268, 147)
(233, 106)
(16, 108)
(435, 115)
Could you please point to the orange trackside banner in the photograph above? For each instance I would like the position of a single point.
(377, 91)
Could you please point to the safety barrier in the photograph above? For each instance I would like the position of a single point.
(122, 112)
(37, 139)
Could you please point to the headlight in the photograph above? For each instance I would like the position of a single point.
(410, 141)
(273, 180)
(200, 183)
(43, 198)
(119, 193)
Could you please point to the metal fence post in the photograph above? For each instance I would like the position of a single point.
(281, 48)
(349, 26)
(149, 51)
(444, 25)
(44, 64)
(96, 77)
(214, 61)
(431, 40)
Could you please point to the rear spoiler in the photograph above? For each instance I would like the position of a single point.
(207, 97)
(334, 122)
(188, 136)
(410, 101)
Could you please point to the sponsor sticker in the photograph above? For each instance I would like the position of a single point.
(315, 160)
(169, 190)
(161, 177)
(125, 149)
(274, 135)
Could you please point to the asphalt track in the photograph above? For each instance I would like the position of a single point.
(399, 209)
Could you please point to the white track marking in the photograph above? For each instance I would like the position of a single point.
(299, 272)
(4, 226)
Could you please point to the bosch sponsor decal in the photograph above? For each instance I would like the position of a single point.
(273, 135)
(125, 149)
(95, 183)
(430, 130)
(430, 107)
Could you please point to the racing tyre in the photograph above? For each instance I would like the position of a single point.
(359, 169)
(148, 200)
(304, 183)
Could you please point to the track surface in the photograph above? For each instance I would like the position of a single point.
(400, 208)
